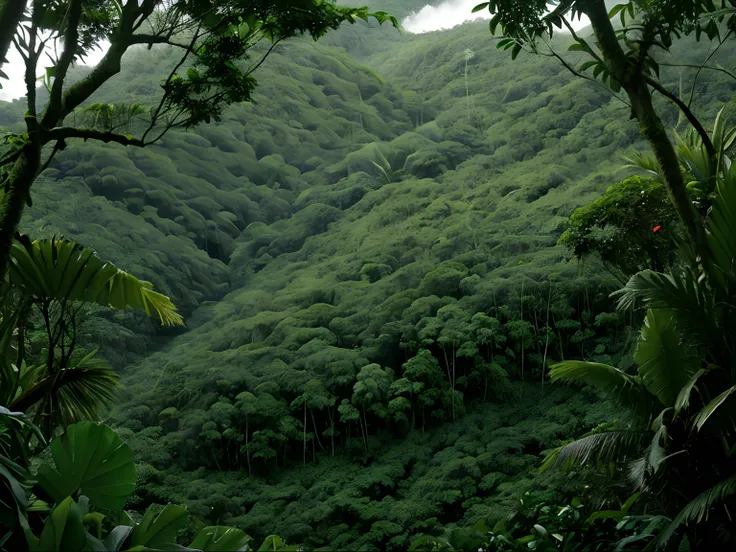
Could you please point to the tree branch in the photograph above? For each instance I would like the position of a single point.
(65, 133)
(108, 67)
(58, 146)
(686, 111)
(150, 40)
(577, 73)
(699, 67)
(67, 57)
(157, 111)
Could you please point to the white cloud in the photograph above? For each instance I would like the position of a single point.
(449, 14)
(15, 87)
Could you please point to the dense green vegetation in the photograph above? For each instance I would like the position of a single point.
(377, 265)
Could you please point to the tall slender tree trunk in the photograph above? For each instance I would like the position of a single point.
(304, 433)
(17, 189)
(332, 430)
(453, 382)
(316, 434)
(633, 80)
(521, 303)
(546, 335)
(247, 448)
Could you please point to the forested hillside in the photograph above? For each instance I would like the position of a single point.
(366, 257)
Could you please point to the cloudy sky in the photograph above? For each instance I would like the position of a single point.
(450, 14)
(430, 18)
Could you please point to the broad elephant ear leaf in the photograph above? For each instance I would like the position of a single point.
(90, 459)
(64, 270)
(221, 539)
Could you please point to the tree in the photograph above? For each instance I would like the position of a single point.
(425, 378)
(247, 405)
(215, 40)
(682, 397)
(625, 59)
(54, 279)
(370, 391)
(619, 227)
(90, 470)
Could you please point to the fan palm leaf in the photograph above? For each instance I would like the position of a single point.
(65, 271)
(81, 392)
(679, 292)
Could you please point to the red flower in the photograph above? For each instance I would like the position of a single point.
(657, 228)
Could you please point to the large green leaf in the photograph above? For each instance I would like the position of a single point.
(64, 530)
(683, 397)
(274, 543)
(709, 409)
(221, 539)
(64, 270)
(113, 541)
(158, 531)
(90, 459)
(666, 364)
(609, 380)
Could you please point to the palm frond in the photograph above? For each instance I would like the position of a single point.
(698, 508)
(81, 392)
(678, 292)
(721, 228)
(597, 449)
(610, 381)
(666, 364)
(65, 271)
(645, 163)
(694, 156)
(723, 138)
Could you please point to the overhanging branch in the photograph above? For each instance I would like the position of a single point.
(66, 133)
(697, 125)
(150, 40)
(70, 50)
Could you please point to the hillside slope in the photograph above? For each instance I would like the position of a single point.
(357, 214)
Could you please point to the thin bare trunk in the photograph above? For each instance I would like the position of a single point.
(546, 335)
